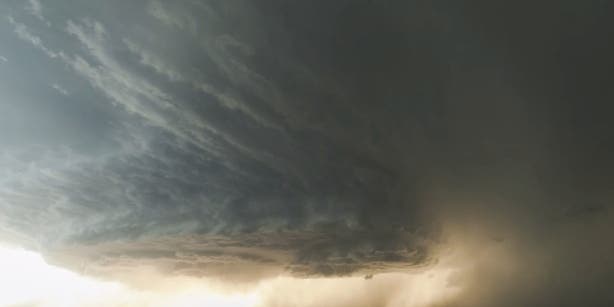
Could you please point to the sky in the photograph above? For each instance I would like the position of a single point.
(384, 153)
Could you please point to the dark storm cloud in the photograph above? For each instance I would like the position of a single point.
(216, 145)
(319, 138)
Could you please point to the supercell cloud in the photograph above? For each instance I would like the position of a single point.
(244, 140)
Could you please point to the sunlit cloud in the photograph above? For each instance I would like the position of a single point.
(27, 279)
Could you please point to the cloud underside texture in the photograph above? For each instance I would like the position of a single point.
(317, 138)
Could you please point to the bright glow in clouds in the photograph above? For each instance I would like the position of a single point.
(421, 289)
(27, 279)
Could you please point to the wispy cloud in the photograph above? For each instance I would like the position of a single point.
(136, 93)
(24, 33)
(227, 99)
(158, 10)
(152, 60)
(60, 89)
(35, 8)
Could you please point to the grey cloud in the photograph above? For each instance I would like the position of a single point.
(263, 193)
(317, 138)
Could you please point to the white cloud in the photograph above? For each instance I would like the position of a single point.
(181, 21)
(60, 89)
(153, 61)
(116, 82)
(218, 47)
(35, 8)
(227, 99)
(3, 59)
(131, 91)
(24, 33)
(139, 96)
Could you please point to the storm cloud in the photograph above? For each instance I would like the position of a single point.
(244, 140)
